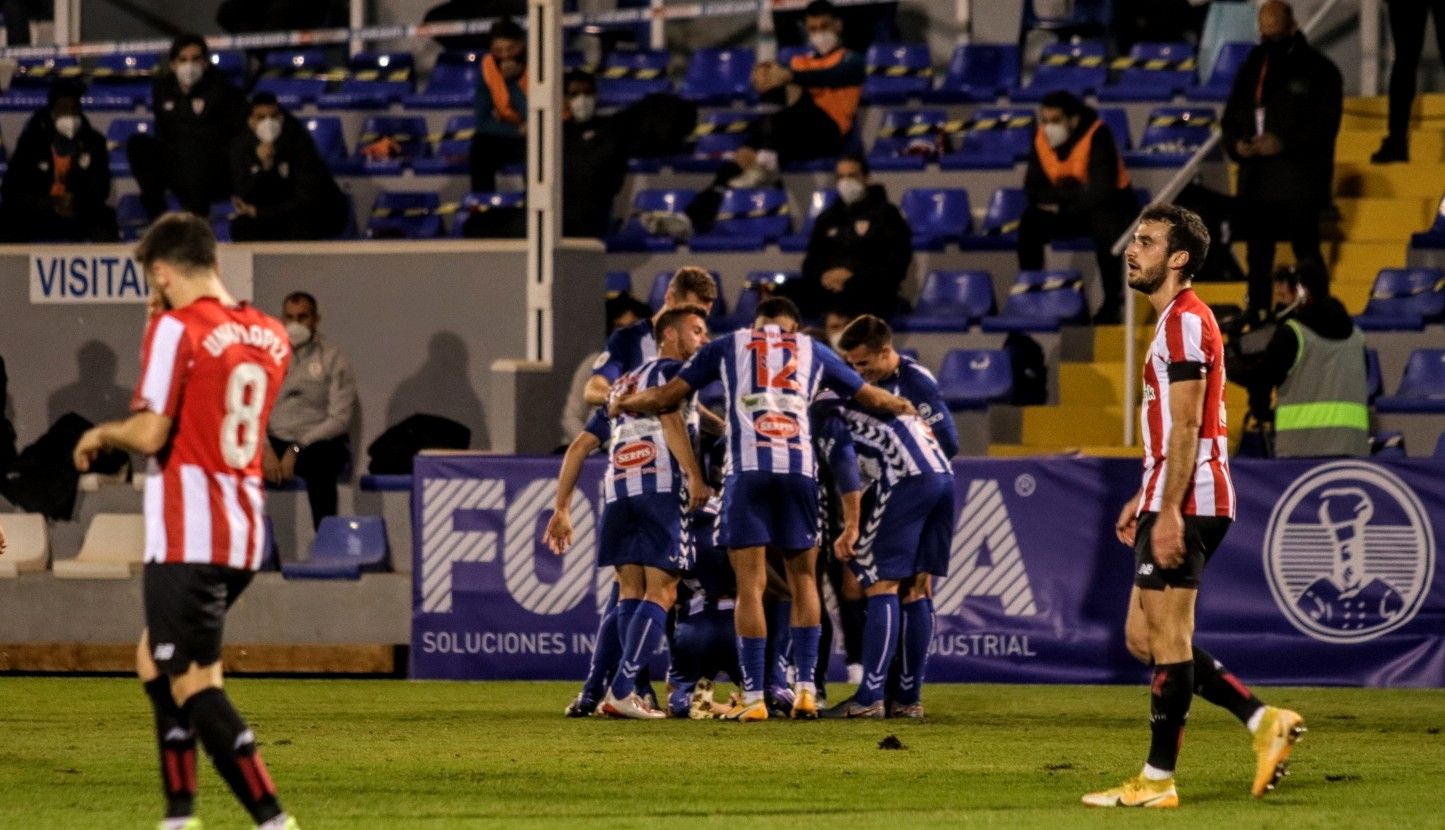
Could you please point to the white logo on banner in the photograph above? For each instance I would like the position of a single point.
(519, 562)
(1349, 552)
(443, 545)
(984, 525)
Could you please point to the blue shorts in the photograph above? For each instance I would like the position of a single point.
(777, 510)
(643, 530)
(907, 529)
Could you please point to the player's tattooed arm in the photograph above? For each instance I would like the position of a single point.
(674, 432)
(657, 399)
(875, 398)
(558, 533)
(144, 433)
(852, 504)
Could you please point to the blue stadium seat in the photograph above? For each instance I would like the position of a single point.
(747, 305)
(408, 131)
(450, 152)
(1422, 389)
(131, 217)
(633, 237)
(121, 81)
(1041, 301)
(937, 216)
(293, 93)
(658, 294)
(1152, 72)
(718, 76)
(453, 82)
(1440, 447)
(817, 203)
(718, 134)
(617, 283)
(232, 64)
(1080, 68)
(1069, 17)
(907, 139)
(950, 301)
(975, 378)
(344, 547)
(897, 72)
(483, 202)
(1374, 381)
(405, 215)
(978, 73)
(628, 77)
(1434, 236)
(999, 230)
(117, 134)
(1172, 136)
(330, 143)
(747, 220)
(295, 77)
(220, 216)
(1221, 78)
(374, 80)
(386, 483)
(1117, 120)
(993, 138)
(40, 73)
(1404, 299)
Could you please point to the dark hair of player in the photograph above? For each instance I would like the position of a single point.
(690, 279)
(778, 307)
(674, 317)
(866, 330)
(179, 239)
(1186, 233)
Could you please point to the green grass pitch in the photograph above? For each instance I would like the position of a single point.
(362, 754)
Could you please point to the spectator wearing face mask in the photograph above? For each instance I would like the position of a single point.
(309, 431)
(58, 180)
(501, 106)
(1076, 186)
(197, 113)
(859, 252)
(594, 160)
(281, 188)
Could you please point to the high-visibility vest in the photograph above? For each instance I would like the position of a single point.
(1075, 165)
(1322, 408)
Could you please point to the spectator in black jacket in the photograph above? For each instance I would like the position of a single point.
(56, 187)
(281, 188)
(1077, 186)
(1280, 124)
(859, 252)
(197, 114)
(594, 159)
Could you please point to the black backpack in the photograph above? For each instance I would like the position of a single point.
(392, 451)
(1031, 373)
(43, 478)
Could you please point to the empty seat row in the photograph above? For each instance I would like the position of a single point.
(1405, 299)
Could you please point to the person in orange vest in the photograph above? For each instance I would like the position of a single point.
(1077, 186)
(501, 106)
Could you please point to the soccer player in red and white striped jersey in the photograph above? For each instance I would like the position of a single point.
(1180, 515)
(210, 371)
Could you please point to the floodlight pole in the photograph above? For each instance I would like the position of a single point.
(544, 169)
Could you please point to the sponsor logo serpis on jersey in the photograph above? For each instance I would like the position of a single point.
(776, 425)
(635, 454)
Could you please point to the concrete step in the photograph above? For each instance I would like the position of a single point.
(1427, 144)
(1109, 341)
(1416, 180)
(1384, 219)
(1072, 425)
(1093, 451)
(1370, 113)
(1098, 383)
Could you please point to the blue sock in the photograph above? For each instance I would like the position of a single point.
(626, 609)
(805, 653)
(605, 654)
(880, 641)
(649, 624)
(752, 655)
(913, 650)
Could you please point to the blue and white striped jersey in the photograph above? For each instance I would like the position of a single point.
(769, 378)
(639, 461)
(890, 447)
(627, 348)
(918, 386)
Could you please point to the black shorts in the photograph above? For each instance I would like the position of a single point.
(185, 608)
(1202, 535)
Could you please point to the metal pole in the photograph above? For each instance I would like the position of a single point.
(656, 34)
(358, 20)
(963, 13)
(1131, 358)
(544, 169)
(67, 22)
(1370, 47)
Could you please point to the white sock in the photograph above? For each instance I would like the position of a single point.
(1253, 723)
(807, 687)
(752, 697)
(1155, 774)
(174, 823)
(276, 822)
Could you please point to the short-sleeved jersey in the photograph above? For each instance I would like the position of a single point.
(917, 385)
(1187, 346)
(627, 348)
(890, 447)
(214, 371)
(639, 461)
(769, 378)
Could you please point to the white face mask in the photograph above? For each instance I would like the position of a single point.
(268, 129)
(823, 42)
(583, 107)
(851, 190)
(188, 72)
(1056, 133)
(298, 334)
(68, 125)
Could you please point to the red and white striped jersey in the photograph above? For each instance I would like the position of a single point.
(214, 371)
(1187, 338)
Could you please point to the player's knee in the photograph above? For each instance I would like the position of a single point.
(1138, 644)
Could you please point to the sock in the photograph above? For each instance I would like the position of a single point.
(779, 645)
(913, 651)
(626, 609)
(752, 654)
(177, 744)
(232, 747)
(605, 654)
(1155, 774)
(825, 654)
(276, 822)
(851, 613)
(805, 653)
(880, 641)
(1168, 711)
(1214, 683)
(649, 623)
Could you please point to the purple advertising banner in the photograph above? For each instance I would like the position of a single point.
(1329, 576)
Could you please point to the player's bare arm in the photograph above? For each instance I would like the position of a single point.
(852, 504)
(144, 433)
(1128, 522)
(656, 399)
(595, 393)
(558, 533)
(674, 432)
(1186, 408)
(875, 398)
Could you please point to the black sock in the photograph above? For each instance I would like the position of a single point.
(232, 748)
(1168, 711)
(177, 744)
(1214, 683)
(850, 614)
